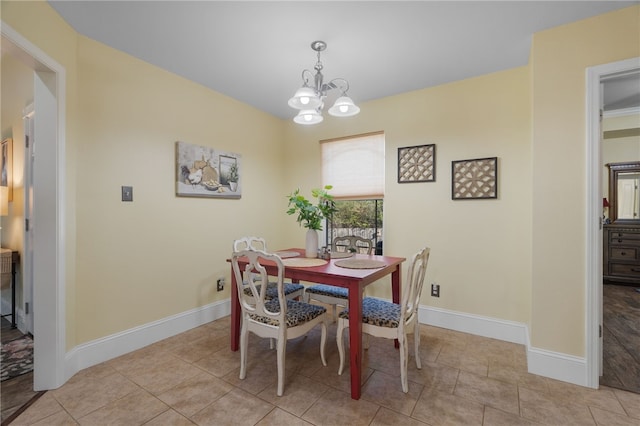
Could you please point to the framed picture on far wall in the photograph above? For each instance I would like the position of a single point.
(203, 171)
(474, 179)
(417, 163)
(6, 166)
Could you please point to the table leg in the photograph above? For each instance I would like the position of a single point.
(355, 340)
(235, 314)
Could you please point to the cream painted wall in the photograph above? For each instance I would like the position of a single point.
(481, 249)
(161, 254)
(559, 59)
(628, 121)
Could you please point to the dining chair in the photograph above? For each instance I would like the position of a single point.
(291, 290)
(330, 294)
(353, 244)
(381, 318)
(274, 318)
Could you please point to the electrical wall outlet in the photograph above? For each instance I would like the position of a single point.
(435, 290)
(220, 286)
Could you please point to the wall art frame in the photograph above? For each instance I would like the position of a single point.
(203, 171)
(417, 163)
(6, 165)
(474, 179)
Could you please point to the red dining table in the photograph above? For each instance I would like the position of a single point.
(353, 279)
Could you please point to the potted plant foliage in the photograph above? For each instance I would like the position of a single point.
(233, 177)
(311, 215)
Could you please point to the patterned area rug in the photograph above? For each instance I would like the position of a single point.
(17, 358)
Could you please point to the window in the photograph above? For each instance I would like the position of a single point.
(362, 218)
(354, 166)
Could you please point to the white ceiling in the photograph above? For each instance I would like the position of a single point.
(255, 51)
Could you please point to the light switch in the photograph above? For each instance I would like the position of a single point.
(127, 193)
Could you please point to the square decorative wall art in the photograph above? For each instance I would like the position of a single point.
(417, 163)
(202, 171)
(474, 179)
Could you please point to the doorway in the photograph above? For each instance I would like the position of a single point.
(48, 278)
(620, 145)
(596, 76)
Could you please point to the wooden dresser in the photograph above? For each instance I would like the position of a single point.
(621, 253)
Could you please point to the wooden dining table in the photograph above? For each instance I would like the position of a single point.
(354, 279)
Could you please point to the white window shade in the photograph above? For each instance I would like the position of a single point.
(354, 166)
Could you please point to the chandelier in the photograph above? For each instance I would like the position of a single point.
(309, 99)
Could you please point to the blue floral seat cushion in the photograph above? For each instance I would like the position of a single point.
(297, 312)
(272, 289)
(329, 290)
(378, 312)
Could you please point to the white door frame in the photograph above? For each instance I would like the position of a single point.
(49, 209)
(593, 310)
(27, 250)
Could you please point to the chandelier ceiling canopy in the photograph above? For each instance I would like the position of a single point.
(309, 99)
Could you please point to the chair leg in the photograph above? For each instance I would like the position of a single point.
(244, 343)
(404, 354)
(365, 341)
(334, 310)
(282, 347)
(416, 342)
(323, 341)
(340, 342)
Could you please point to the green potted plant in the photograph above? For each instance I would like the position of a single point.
(311, 215)
(233, 177)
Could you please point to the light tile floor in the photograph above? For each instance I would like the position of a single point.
(192, 378)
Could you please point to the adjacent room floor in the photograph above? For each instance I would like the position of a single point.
(18, 391)
(621, 335)
(192, 378)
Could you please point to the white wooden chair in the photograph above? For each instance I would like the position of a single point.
(389, 320)
(275, 318)
(353, 244)
(330, 294)
(291, 290)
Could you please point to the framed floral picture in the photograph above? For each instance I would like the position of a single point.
(474, 179)
(203, 171)
(417, 164)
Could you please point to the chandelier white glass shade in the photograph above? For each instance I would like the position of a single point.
(309, 99)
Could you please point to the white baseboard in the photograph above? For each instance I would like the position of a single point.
(545, 363)
(101, 350)
(508, 331)
(559, 366)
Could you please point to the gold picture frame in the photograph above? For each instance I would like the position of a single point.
(6, 166)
